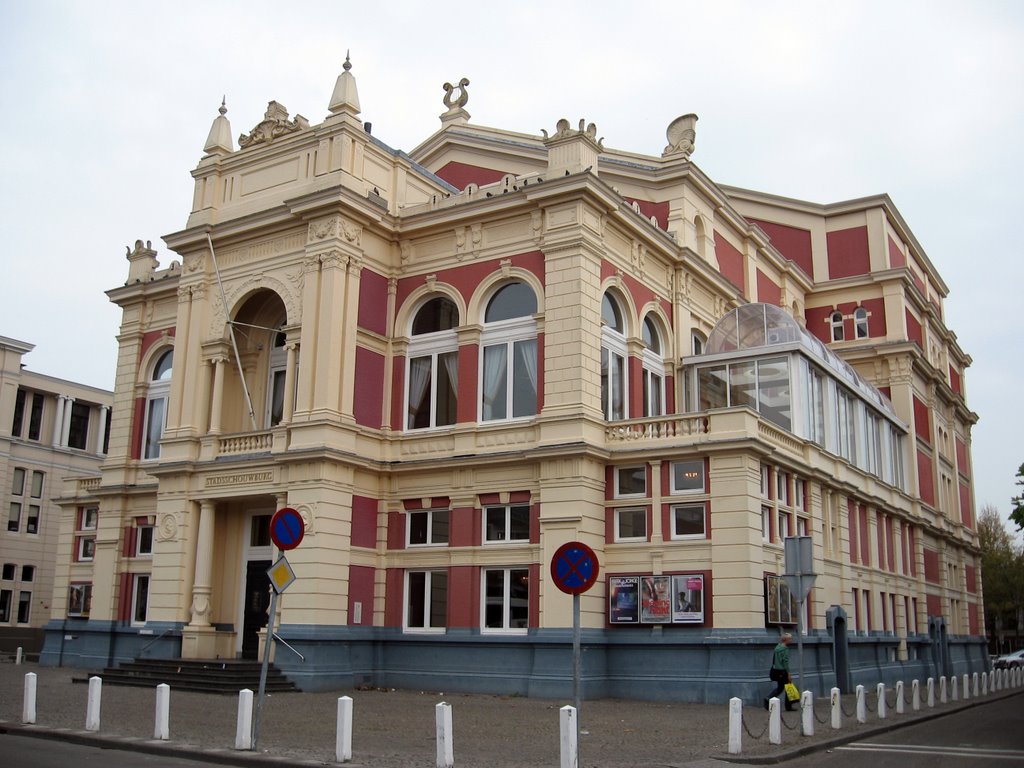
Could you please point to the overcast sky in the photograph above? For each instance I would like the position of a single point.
(107, 108)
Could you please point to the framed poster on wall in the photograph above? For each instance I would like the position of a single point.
(656, 599)
(688, 598)
(624, 599)
(781, 606)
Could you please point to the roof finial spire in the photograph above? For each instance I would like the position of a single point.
(219, 142)
(346, 96)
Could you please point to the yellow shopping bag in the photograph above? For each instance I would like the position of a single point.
(792, 693)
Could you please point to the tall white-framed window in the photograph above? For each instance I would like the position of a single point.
(688, 521)
(140, 598)
(277, 373)
(85, 536)
(631, 524)
(157, 396)
(508, 379)
(427, 527)
(426, 601)
(860, 323)
(24, 606)
(432, 373)
(697, 343)
(505, 600)
(144, 541)
(630, 481)
(653, 369)
(614, 372)
(836, 325)
(506, 523)
(6, 598)
(17, 500)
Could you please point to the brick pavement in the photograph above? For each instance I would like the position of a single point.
(395, 728)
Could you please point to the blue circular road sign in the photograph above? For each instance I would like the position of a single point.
(287, 528)
(574, 568)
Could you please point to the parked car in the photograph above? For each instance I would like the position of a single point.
(1010, 660)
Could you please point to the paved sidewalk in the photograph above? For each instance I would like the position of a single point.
(395, 728)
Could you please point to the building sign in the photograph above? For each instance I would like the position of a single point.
(244, 478)
(781, 605)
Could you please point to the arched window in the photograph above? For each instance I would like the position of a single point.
(860, 323)
(508, 382)
(836, 322)
(653, 369)
(276, 374)
(613, 360)
(432, 381)
(697, 343)
(157, 394)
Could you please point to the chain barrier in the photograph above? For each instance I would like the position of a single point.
(821, 720)
(867, 703)
(787, 726)
(743, 721)
(891, 706)
(846, 714)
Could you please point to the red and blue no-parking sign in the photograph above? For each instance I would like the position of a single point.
(287, 528)
(574, 568)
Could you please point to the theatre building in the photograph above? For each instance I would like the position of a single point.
(454, 360)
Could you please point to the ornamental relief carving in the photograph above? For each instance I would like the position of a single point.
(237, 290)
(168, 529)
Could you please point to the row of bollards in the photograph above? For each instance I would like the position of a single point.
(952, 690)
(343, 743)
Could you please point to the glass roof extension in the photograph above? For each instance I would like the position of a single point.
(761, 326)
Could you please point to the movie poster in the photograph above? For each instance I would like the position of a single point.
(782, 607)
(656, 599)
(624, 599)
(688, 599)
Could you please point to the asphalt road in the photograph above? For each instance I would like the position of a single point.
(987, 735)
(29, 752)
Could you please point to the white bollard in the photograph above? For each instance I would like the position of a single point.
(735, 727)
(953, 692)
(807, 712)
(931, 692)
(900, 708)
(943, 698)
(774, 720)
(162, 727)
(984, 684)
(18, 657)
(862, 705)
(343, 733)
(243, 725)
(992, 681)
(835, 701)
(92, 710)
(880, 706)
(974, 685)
(28, 709)
(967, 686)
(567, 729)
(445, 748)
(915, 695)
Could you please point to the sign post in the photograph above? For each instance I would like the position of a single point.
(800, 576)
(286, 531)
(574, 570)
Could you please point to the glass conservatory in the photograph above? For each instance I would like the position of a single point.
(759, 357)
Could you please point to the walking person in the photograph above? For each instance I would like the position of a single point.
(779, 673)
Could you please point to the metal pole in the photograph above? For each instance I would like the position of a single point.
(800, 642)
(263, 670)
(576, 665)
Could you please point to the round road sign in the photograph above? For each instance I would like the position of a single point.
(287, 528)
(574, 568)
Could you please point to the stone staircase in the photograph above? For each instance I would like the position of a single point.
(227, 676)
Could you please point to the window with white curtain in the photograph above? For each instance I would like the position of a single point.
(614, 385)
(156, 404)
(433, 369)
(508, 382)
(653, 369)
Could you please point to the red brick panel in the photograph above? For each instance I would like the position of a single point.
(394, 597)
(461, 175)
(954, 381)
(364, 522)
(731, 263)
(373, 302)
(848, 252)
(464, 596)
(852, 513)
(934, 603)
(360, 590)
(922, 420)
(966, 510)
(914, 332)
(973, 621)
(767, 291)
(791, 242)
(658, 210)
(931, 566)
(925, 478)
(896, 257)
(962, 464)
(971, 573)
(368, 405)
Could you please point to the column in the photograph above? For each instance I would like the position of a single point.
(218, 395)
(65, 430)
(102, 428)
(202, 584)
(330, 322)
(58, 420)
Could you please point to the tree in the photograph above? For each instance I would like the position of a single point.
(1002, 565)
(1017, 515)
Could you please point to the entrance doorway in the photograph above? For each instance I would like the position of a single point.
(257, 604)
